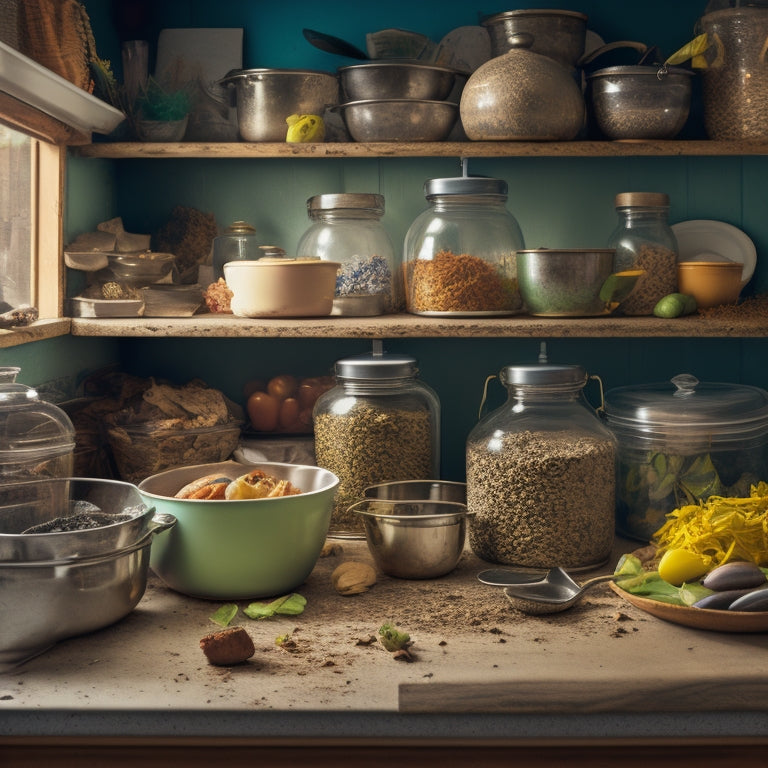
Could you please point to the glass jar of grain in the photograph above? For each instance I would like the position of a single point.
(347, 228)
(459, 254)
(541, 474)
(380, 423)
(643, 240)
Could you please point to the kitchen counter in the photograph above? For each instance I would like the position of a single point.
(601, 676)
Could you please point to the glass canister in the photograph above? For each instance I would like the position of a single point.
(735, 79)
(37, 439)
(459, 254)
(379, 423)
(238, 243)
(683, 440)
(347, 228)
(644, 240)
(541, 474)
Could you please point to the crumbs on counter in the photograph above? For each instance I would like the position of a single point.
(749, 310)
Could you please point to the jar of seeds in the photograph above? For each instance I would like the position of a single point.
(541, 474)
(459, 254)
(380, 423)
(644, 240)
(347, 228)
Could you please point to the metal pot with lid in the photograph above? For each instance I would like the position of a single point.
(682, 441)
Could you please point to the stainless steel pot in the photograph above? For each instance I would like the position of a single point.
(84, 582)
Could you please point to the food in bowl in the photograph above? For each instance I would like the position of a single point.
(255, 484)
(233, 549)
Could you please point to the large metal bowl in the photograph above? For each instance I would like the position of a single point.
(59, 585)
(396, 80)
(640, 102)
(564, 283)
(414, 539)
(241, 549)
(266, 97)
(399, 119)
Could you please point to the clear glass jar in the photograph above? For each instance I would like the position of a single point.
(238, 243)
(683, 440)
(380, 423)
(459, 254)
(347, 228)
(644, 240)
(541, 474)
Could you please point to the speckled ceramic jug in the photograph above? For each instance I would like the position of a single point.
(522, 96)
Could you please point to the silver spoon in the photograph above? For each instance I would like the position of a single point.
(552, 592)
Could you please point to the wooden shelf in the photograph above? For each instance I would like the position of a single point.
(413, 326)
(125, 150)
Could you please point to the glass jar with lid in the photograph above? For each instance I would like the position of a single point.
(37, 438)
(459, 253)
(644, 240)
(347, 228)
(681, 441)
(379, 423)
(541, 474)
(238, 243)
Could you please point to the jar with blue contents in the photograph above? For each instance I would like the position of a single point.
(347, 228)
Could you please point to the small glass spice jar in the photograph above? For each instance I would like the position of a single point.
(238, 243)
(541, 474)
(459, 253)
(643, 240)
(347, 228)
(379, 423)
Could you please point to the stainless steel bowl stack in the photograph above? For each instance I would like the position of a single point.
(74, 557)
(397, 101)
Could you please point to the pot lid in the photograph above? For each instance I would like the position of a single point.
(465, 185)
(376, 366)
(685, 404)
(31, 426)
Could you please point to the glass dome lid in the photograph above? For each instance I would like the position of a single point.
(684, 404)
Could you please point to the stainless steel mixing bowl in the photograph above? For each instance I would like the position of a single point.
(399, 119)
(83, 582)
(396, 80)
(414, 539)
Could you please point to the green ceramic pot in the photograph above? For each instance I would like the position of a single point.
(236, 550)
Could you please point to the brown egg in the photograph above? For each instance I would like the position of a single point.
(263, 411)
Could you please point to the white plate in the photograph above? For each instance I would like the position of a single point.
(706, 240)
(28, 81)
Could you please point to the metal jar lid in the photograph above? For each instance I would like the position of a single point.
(684, 406)
(544, 375)
(376, 366)
(465, 185)
(347, 200)
(642, 200)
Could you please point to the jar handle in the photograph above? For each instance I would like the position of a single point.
(488, 380)
(600, 408)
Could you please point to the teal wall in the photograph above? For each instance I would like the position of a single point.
(559, 202)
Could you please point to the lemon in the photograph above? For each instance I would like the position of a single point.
(678, 566)
(304, 128)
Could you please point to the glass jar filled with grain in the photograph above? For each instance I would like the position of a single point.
(644, 240)
(380, 423)
(347, 228)
(541, 474)
(459, 253)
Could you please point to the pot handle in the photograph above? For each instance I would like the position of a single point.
(588, 58)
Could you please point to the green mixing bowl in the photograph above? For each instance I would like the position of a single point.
(237, 550)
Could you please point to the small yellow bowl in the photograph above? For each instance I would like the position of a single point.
(711, 283)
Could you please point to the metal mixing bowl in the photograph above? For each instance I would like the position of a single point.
(241, 549)
(640, 102)
(396, 80)
(564, 283)
(59, 585)
(418, 490)
(414, 539)
(399, 119)
(265, 97)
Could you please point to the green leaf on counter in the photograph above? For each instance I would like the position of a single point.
(393, 639)
(289, 605)
(224, 615)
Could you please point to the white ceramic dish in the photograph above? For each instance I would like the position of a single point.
(708, 240)
(34, 84)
